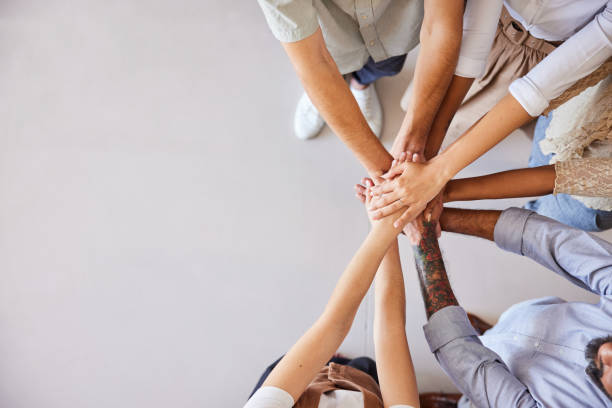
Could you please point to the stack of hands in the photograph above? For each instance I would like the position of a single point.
(402, 189)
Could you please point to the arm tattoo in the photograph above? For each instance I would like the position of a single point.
(435, 287)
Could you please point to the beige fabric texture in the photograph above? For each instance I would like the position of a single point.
(507, 62)
(589, 177)
(580, 137)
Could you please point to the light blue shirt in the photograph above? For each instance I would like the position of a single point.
(534, 356)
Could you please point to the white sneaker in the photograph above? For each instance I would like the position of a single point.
(307, 122)
(368, 101)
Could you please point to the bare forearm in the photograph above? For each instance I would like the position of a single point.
(349, 290)
(457, 90)
(435, 287)
(499, 122)
(299, 366)
(389, 292)
(479, 223)
(394, 363)
(528, 182)
(331, 95)
(439, 50)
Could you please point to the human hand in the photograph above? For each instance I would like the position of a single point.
(413, 146)
(414, 230)
(409, 184)
(362, 192)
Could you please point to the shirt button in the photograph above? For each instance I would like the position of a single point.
(364, 16)
(536, 344)
(371, 42)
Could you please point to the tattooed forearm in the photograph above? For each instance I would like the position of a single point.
(435, 287)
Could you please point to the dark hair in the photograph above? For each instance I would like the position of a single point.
(590, 354)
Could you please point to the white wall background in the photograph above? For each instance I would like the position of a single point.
(163, 236)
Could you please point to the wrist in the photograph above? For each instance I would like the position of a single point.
(383, 232)
(442, 172)
(448, 194)
(413, 124)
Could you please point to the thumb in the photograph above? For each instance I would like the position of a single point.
(378, 180)
(393, 172)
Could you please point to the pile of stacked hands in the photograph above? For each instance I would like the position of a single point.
(484, 69)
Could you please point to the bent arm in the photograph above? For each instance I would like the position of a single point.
(393, 360)
(576, 58)
(476, 370)
(331, 95)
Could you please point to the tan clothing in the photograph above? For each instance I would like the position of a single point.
(590, 177)
(514, 53)
(341, 377)
(353, 30)
(580, 137)
(511, 57)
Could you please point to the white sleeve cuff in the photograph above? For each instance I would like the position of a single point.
(479, 26)
(529, 96)
(470, 68)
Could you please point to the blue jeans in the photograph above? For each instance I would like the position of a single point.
(563, 207)
(372, 71)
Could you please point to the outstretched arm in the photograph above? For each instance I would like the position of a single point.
(435, 287)
(440, 41)
(393, 360)
(300, 365)
(527, 182)
(476, 370)
(331, 95)
(434, 97)
(578, 256)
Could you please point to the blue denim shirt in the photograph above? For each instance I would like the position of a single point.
(534, 356)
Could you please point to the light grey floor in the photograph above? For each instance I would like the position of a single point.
(163, 236)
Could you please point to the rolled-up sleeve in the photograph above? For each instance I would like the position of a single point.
(475, 369)
(290, 20)
(576, 255)
(479, 24)
(576, 58)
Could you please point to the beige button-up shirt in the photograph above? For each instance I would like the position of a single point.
(353, 30)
